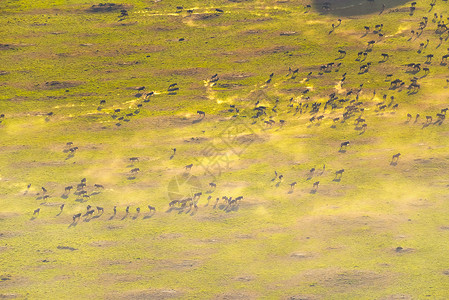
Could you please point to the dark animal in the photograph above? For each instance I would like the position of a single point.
(135, 170)
(77, 216)
(36, 211)
(188, 167)
(151, 208)
(100, 209)
(344, 144)
(339, 172)
(98, 186)
(133, 159)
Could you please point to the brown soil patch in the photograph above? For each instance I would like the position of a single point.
(105, 7)
(302, 297)
(146, 294)
(398, 297)
(205, 16)
(54, 85)
(236, 295)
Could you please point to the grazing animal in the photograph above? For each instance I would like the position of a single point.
(115, 210)
(151, 208)
(138, 210)
(77, 216)
(292, 185)
(212, 185)
(135, 170)
(88, 207)
(339, 172)
(201, 113)
(429, 119)
(133, 159)
(315, 184)
(344, 144)
(100, 209)
(188, 167)
(173, 202)
(44, 189)
(127, 210)
(98, 186)
(36, 211)
(90, 212)
(62, 207)
(68, 188)
(83, 180)
(396, 157)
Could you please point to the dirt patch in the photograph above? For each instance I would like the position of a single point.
(103, 244)
(245, 278)
(146, 294)
(398, 297)
(205, 16)
(276, 49)
(105, 7)
(176, 265)
(9, 296)
(55, 85)
(66, 248)
(402, 250)
(236, 295)
(302, 297)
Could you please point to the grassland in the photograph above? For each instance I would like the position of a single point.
(380, 232)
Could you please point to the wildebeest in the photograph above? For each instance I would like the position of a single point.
(344, 144)
(339, 172)
(173, 202)
(88, 207)
(77, 216)
(68, 188)
(127, 209)
(138, 210)
(62, 207)
(134, 159)
(151, 208)
(36, 211)
(396, 157)
(83, 180)
(212, 185)
(315, 184)
(98, 186)
(44, 189)
(100, 209)
(201, 113)
(292, 185)
(429, 119)
(115, 210)
(188, 167)
(90, 212)
(135, 170)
